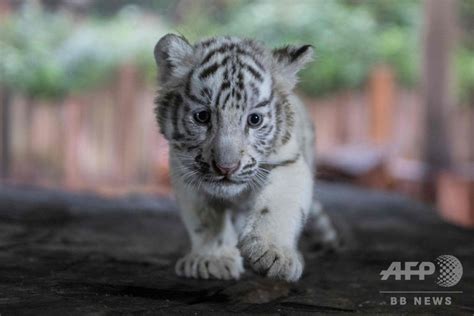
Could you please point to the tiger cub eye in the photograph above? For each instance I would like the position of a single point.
(202, 117)
(254, 120)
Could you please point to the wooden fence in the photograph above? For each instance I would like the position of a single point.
(108, 141)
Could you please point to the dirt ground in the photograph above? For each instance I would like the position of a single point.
(63, 253)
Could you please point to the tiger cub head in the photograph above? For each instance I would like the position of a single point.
(222, 105)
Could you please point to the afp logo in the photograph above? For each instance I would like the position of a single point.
(449, 270)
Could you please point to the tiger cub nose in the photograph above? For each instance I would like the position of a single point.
(226, 169)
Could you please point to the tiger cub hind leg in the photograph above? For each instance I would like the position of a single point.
(320, 229)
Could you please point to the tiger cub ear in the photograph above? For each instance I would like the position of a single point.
(288, 61)
(174, 57)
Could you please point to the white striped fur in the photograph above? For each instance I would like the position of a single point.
(226, 103)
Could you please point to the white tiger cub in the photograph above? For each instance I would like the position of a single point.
(241, 153)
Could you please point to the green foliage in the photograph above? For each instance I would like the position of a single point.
(399, 48)
(398, 36)
(390, 13)
(465, 75)
(27, 63)
(350, 37)
(46, 55)
(466, 14)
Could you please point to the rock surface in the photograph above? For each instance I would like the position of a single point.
(63, 253)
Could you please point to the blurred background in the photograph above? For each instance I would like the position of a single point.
(391, 90)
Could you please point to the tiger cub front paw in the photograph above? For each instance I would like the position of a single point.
(272, 260)
(224, 264)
